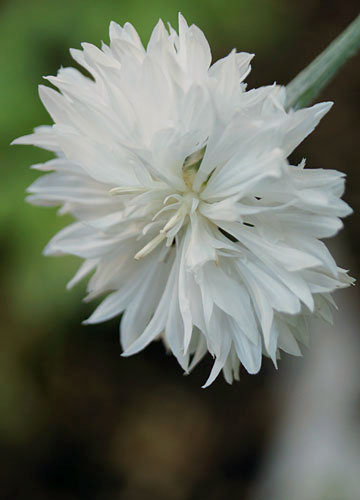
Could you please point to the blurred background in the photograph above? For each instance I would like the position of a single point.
(79, 422)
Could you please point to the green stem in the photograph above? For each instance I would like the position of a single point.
(305, 87)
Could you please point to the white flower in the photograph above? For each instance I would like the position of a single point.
(186, 207)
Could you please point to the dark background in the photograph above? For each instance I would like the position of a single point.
(76, 420)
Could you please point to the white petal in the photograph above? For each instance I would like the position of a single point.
(248, 353)
(86, 267)
(221, 357)
(43, 137)
(232, 298)
(286, 340)
(302, 123)
(139, 312)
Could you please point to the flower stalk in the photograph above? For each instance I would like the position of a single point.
(307, 85)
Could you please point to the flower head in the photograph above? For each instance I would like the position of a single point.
(187, 211)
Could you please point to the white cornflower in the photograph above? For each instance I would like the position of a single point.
(187, 210)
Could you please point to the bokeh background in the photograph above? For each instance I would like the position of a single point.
(79, 422)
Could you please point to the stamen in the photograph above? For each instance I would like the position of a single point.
(126, 190)
(185, 204)
(165, 209)
(174, 220)
(150, 246)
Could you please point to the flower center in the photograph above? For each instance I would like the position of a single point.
(183, 203)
